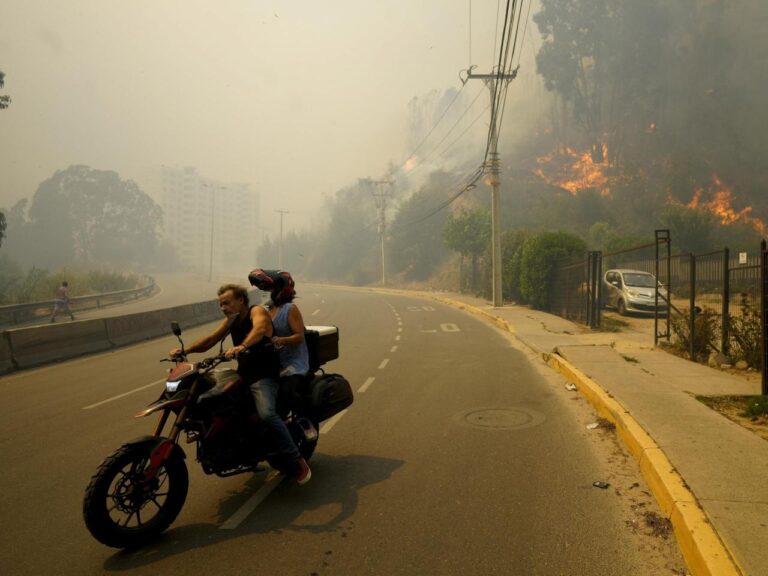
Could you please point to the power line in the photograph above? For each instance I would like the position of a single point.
(423, 160)
(412, 154)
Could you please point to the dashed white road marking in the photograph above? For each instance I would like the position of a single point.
(393, 349)
(366, 385)
(123, 395)
(383, 363)
(328, 424)
(397, 337)
(273, 481)
(430, 331)
(315, 312)
(399, 329)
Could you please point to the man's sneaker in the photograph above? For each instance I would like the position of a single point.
(303, 473)
(310, 432)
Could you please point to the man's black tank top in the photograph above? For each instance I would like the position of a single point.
(262, 360)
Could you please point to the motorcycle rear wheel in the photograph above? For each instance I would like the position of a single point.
(124, 510)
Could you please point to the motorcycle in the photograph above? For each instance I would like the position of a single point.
(139, 490)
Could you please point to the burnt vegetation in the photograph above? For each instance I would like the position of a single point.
(651, 119)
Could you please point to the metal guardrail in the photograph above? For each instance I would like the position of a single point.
(14, 314)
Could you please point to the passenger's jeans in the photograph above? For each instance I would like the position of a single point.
(265, 394)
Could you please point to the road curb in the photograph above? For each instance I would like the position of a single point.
(702, 548)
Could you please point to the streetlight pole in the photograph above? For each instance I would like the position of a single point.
(280, 246)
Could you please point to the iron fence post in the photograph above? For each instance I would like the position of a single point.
(662, 237)
(726, 310)
(692, 306)
(763, 318)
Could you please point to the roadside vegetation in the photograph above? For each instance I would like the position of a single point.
(18, 286)
(751, 412)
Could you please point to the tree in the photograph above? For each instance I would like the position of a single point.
(93, 216)
(3, 225)
(346, 248)
(541, 255)
(469, 234)
(416, 246)
(5, 101)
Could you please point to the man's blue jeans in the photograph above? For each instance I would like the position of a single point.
(265, 394)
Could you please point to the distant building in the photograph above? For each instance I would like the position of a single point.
(194, 207)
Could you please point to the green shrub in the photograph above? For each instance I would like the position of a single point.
(756, 406)
(706, 330)
(512, 242)
(744, 334)
(540, 256)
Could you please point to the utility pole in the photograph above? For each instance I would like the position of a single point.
(280, 246)
(494, 178)
(213, 219)
(382, 191)
(213, 216)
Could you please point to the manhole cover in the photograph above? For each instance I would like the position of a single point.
(500, 418)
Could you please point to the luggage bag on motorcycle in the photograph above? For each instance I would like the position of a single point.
(322, 345)
(329, 394)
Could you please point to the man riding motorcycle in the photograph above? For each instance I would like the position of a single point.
(251, 330)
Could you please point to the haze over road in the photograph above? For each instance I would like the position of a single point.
(459, 456)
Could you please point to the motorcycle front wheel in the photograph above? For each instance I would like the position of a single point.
(122, 508)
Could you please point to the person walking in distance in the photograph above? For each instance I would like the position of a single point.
(61, 302)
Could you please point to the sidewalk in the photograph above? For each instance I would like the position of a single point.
(724, 465)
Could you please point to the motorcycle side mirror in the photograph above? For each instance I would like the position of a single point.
(176, 329)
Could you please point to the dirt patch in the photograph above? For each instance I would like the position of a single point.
(735, 408)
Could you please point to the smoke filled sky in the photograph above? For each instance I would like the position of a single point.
(296, 98)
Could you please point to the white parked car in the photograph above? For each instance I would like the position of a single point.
(631, 291)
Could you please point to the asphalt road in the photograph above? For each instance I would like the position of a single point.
(459, 456)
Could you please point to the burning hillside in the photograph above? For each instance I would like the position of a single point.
(576, 171)
(717, 198)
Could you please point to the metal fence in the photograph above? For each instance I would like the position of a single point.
(576, 290)
(705, 303)
(22, 313)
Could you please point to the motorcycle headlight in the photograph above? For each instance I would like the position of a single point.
(172, 385)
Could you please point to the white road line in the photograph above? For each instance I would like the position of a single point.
(328, 424)
(366, 385)
(397, 337)
(399, 323)
(122, 395)
(383, 363)
(273, 481)
(315, 312)
(399, 329)
(393, 349)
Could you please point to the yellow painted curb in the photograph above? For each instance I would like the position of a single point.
(704, 552)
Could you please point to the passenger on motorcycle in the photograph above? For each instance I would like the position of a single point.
(251, 329)
(289, 337)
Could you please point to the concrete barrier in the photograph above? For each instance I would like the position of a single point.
(41, 344)
(30, 347)
(6, 358)
(123, 330)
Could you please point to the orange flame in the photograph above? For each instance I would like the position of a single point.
(720, 203)
(410, 164)
(578, 171)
